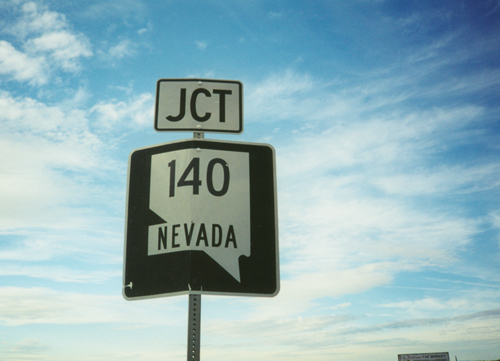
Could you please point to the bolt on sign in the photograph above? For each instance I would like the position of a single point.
(201, 218)
(199, 105)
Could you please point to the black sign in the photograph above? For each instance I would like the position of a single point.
(201, 219)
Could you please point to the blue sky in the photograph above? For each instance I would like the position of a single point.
(385, 118)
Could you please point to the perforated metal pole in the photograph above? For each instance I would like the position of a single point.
(194, 323)
(194, 319)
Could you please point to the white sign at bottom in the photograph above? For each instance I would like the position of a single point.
(436, 356)
(203, 196)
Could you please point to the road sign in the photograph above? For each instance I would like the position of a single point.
(201, 219)
(199, 105)
(436, 356)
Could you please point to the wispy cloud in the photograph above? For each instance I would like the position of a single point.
(35, 18)
(41, 140)
(201, 45)
(55, 173)
(369, 177)
(58, 273)
(37, 305)
(62, 47)
(125, 10)
(20, 66)
(341, 335)
(383, 172)
(57, 162)
(138, 109)
(122, 49)
(47, 43)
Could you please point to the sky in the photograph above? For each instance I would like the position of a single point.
(385, 118)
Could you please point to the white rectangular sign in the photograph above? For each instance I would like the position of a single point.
(436, 356)
(199, 105)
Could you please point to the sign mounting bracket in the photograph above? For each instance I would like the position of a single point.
(198, 135)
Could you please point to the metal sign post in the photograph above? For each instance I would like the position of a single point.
(194, 324)
(194, 316)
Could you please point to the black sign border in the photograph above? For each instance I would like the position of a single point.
(186, 272)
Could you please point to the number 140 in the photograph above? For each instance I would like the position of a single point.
(191, 177)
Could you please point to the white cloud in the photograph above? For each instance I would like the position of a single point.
(62, 47)
(201, 45)
(430, 305)
(139, 109)
(37, 305)
(345, 336)
(23, 349)
(39, 143)
(76, 235)
(284, 96)
(365, 194)
(206, 75)
(122, 49)
(274, 15)
(145, 30)
(361, 185)
(301, 292)
(20, 66)
(55, 197)
(443, 179)
(36, 19)
(55, 273)
(48, 43)
(352, 192)
(23, 118)
(111, 9)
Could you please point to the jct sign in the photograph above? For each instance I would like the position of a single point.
(199, 105)
(201, 218)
